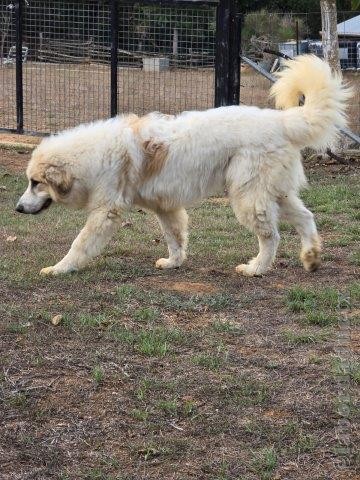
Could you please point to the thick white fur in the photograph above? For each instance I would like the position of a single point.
(323, 114)
(254, 153)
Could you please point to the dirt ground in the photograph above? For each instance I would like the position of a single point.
(196, 373)
(59, 96)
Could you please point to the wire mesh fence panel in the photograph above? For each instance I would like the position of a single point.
(66, 81)
(293, 34)
(166, 58)
(7, 66)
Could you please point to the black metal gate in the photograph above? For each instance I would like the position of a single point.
(65, 62)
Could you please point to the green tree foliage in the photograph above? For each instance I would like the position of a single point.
(162, 29)
(266, 29)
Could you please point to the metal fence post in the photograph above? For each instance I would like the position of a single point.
(222, 53)
(234, 57)
(227, 55)
(19, 68)
(114, 58)
(297, 37)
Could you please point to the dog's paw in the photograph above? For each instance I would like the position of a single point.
(248, 270)
(164, 263)
(47, 271)
(311, 259)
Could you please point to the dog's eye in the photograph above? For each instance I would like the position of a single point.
(34, 183)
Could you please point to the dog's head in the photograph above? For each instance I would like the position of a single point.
(50, 179)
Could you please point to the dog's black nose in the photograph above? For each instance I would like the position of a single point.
(19, 208)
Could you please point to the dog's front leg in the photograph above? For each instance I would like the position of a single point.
(90, 242)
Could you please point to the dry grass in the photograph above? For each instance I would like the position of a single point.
(176, 375)
(59, 96)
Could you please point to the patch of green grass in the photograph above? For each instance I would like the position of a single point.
(68, 321)
(125, 292)
(151, 451)
(305, 443)
(140, 414)
(168, 406)
(286, 227)
(142, 390)
(295, 439)
(355, 215)
(290, 428)
(226, 326)
(354, 258)
(99, 474)
(248, 391)
(325, 222)
(299, 299)
(354, 290)
(271, 365)
(64, 476)
(341, 367)
(341, 241)
(156, 342)
(97, 374)
(319, 307)
(208, 361)
(264, 462)
(222, 472)
(257, 428)
(121, 334)
(151, 387)
(146, 314)
(87, 320)
(152, 345)
(189, 408)
(151, 341)
(16, 328)
(332, 198)
(304, 337)
(315, 360)
(17, 400)
(321, 318)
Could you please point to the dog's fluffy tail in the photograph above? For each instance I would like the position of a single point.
(316, 123)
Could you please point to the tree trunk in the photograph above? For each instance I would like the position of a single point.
(329, 34)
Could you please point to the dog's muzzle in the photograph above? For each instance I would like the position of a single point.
(30, 210)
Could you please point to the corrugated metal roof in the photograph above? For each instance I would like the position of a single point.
(350, 27)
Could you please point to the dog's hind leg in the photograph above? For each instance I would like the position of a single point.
(174, 226)
(293, 210)
(90, 242)
(262, 220)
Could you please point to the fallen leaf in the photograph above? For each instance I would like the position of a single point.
(11, 238)
(56, 320)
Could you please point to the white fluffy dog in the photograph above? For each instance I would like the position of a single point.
(165, 163)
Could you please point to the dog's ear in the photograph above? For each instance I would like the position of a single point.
(59, 179)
